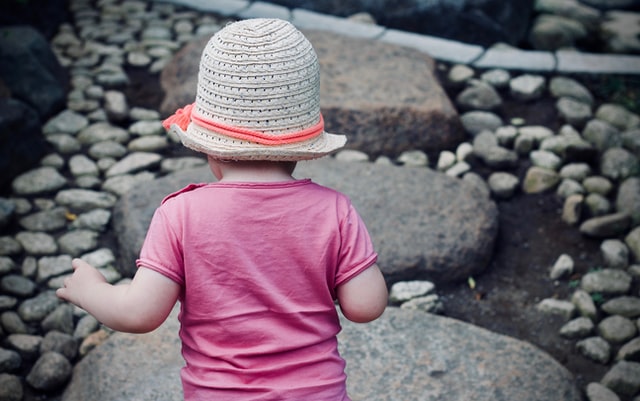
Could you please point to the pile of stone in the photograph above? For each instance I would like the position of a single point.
(103, 148)
(593, 163)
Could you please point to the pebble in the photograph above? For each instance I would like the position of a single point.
(103, 147)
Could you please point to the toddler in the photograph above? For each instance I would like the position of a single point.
(258, 257)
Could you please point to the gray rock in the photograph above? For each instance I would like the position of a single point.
(66, 122)
(10, 388)
(475, 122)
(134, 162)
(576, 171)
(618, 116)
(619, 164)
(545, 159)
(152, 143)
(630, 351)
(60, 319)
(46, 220)
(574, 112)
(62, 343)
(77, 242)
(376, 370)
(562, 267)
(428, 304)
(101, 132)
(552, 32)
(601, 134)
(406, 290)
(617, 329)
(610, 225)
(13, 324)
(50, 372)
(606, 281)
(17, 285)
(615, 253)
(116, 106)
(10, 246)
(569, 187)
(37, 308)
(444, 252)
(627, 306)
(27, 345)
(539, 180)
(631, 141)
(95, 220)
(85, 326)
(572, 209)
(181, 163)
(577, 328)
(527, 87)
(598, 392)
(105, 149)
(568, 87)
(84, 200)
(39, 181)
(558, 307)
(122, 184)
(597, 205)
(503, 185)
(623, 378)
(81, 165)
(9, 360)
(40, 81)
(598, 184)
(7, 302)
(595, 348)
(627, 199)
(479, 96)
(51, 266)
(633, 242)
(147, 128)
(37, 243)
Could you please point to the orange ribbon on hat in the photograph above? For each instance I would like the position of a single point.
(182, 117)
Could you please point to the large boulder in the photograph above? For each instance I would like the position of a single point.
(22, 144)
(405, 355)
(32, 88)
(386, 98)
(30, 70)
(44, 15)
(423, 223)
(482, 22)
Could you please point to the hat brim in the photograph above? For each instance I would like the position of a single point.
(227, 148)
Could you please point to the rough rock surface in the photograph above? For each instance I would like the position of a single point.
(406, 109)
(438, 227)
(449, 361)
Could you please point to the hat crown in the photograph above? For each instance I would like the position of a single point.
(259, 74)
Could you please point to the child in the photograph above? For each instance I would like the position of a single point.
(257, 258)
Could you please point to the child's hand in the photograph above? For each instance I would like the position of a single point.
(79, 285)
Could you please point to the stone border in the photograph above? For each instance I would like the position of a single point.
(561, 61)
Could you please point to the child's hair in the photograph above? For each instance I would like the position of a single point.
(258, 97)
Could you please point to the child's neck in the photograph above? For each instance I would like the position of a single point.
(255, 172)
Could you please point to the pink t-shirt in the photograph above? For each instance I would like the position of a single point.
(259, 264)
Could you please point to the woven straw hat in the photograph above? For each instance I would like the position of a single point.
(258, 96)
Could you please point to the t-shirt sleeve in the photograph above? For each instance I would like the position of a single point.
(161, 250)
(356, 250)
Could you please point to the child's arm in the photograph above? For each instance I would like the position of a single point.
(364, 297)
(138, 307)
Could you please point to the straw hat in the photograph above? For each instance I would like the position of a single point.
(258, 96)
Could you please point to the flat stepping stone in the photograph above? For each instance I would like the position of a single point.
(404, 355)
(423, 223)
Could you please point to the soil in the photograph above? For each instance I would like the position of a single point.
(531, 237)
